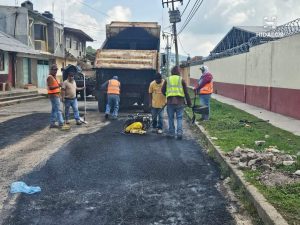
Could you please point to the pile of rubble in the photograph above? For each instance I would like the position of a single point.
(269, 159)
(266, 161)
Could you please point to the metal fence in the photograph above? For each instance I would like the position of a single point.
(285, 30)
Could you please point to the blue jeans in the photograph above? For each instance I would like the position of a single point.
(205, 100)
(74, 104)
(55, 111)
(157, 119)
(113, 102)
(171, 110)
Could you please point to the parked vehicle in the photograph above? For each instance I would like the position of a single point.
(90, 82)
(131, 52)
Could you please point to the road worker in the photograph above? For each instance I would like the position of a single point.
(54, 95)
(156, 102)
(69, 98)
(204, 88)
(175, 89)
(113, 87)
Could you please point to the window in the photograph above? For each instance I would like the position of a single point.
(39, 32)
(80, 46)
(68, 43)
(75, 45)
(58, 36)
(2, 61)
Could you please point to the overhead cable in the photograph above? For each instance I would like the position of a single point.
(185, 7)
(193, 11)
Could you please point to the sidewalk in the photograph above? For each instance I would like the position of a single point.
(286, 123)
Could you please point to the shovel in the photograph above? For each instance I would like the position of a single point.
(83, 120)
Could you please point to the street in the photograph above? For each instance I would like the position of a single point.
(94, 174)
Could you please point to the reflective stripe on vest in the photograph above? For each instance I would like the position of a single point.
(55, 83)
(113, 87)
(207, 89)
(174, 86)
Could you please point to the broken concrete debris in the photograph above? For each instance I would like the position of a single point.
(267, 161)
(260, 143)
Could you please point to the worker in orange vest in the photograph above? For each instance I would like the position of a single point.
(204, 88)
(54, 95)
(113, 87)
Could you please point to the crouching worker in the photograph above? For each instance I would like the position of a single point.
(156, 102)
(69, 98)
(113, 87)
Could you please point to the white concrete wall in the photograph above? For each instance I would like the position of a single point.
(275, 64)
(229, 69)
(259, 65)
(195, 72)
(286, 63)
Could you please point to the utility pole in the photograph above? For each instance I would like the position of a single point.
(174, 18)
(168, 51)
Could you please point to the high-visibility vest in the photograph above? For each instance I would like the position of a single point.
(174, 86)
(113, 87)
(55, 83)
(207, 89)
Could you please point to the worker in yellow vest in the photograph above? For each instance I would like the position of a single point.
(54, 95)
(204, 88)
(175, 89)
(113, 87)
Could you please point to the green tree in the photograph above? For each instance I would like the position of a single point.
(90, 53)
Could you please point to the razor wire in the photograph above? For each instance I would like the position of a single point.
(285, 30)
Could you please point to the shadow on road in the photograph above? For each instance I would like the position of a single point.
(16, 129)
(110, 178)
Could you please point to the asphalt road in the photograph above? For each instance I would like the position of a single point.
(101, 176)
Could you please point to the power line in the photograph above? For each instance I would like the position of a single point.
(185, 7)
(91, 7)
(88, 27)
(193, 11)
(182, 46)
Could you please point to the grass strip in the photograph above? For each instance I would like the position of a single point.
(225, 125)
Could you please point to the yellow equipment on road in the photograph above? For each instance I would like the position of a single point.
(135, 128)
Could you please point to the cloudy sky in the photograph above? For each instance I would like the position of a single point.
(209, 25)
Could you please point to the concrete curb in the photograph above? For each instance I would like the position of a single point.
(18, 101)
(266, 211)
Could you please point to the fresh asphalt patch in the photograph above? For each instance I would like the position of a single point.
(16, 129)
(110, 178)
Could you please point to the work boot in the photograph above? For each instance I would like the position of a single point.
(106, 116)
